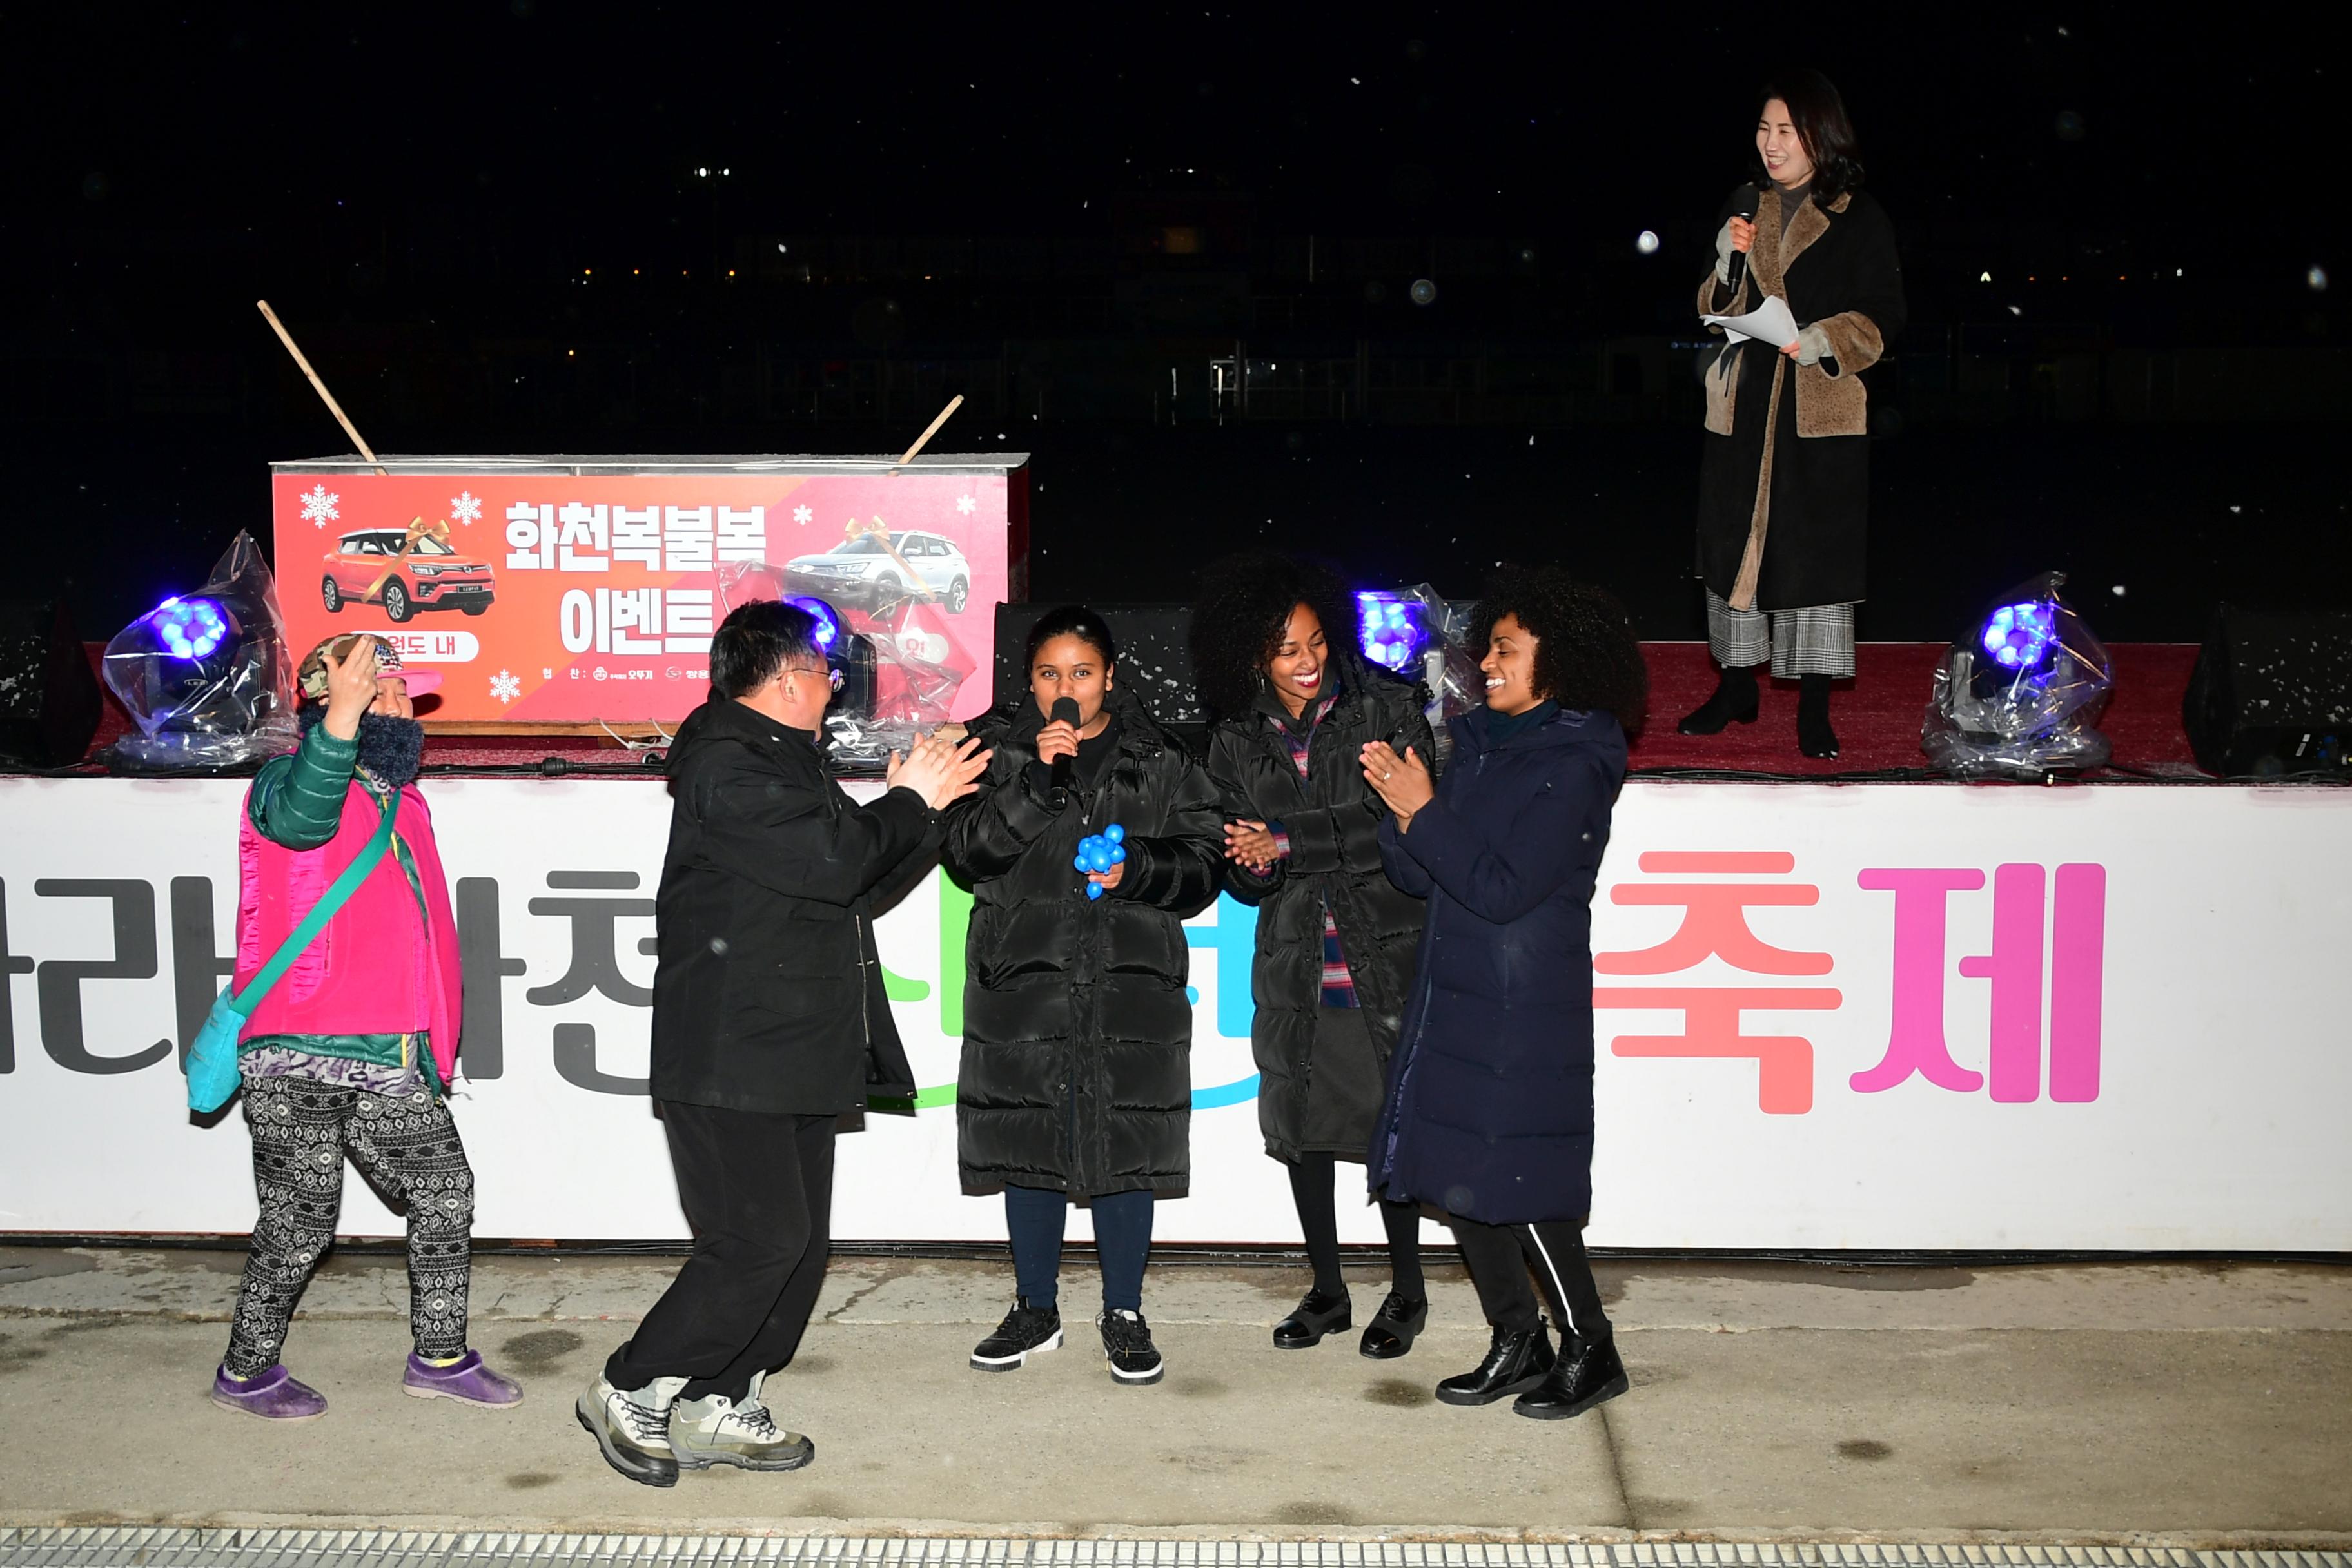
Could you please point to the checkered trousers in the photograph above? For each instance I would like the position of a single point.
(1815, 640)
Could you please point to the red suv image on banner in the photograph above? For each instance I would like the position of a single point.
(365, 568)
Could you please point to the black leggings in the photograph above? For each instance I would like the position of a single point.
(1500, 1257)
(1312, 1179)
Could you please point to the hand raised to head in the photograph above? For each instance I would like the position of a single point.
(351, 688)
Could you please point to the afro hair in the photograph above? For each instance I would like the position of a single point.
(1586, 653)
(1238, 617)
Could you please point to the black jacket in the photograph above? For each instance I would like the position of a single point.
(1332, 818)
(768, 992)
(1076, 1068)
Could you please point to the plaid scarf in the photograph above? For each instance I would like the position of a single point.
(1338, 984)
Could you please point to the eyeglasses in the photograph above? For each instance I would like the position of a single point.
(833, 676)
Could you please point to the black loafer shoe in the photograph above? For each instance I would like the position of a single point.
(1575, 1386)
(1391, 1333)
(1316, 1314)
(1515, 1363)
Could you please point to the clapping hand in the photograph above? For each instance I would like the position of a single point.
(1402, 783)
(1253, 845)
(940, 770)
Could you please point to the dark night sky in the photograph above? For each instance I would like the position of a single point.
(419, 188)
(578, 126)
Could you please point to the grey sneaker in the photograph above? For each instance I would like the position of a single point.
(632, 1426)
(719, 1431)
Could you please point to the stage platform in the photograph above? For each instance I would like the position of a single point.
(1876, 714)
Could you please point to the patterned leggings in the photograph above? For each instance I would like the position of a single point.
(408, 1147)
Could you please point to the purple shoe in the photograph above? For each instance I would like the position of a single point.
(274, 1396)
(468, 1381)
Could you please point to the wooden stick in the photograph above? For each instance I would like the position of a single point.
(336, 408)
(924, 439)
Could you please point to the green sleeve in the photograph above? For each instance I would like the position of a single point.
(297, 800)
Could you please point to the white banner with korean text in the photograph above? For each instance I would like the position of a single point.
(1865, 1016)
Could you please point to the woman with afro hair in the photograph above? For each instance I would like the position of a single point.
(1489, 1108)
(1273, 648)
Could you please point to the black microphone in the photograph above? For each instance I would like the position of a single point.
(1744, 202)
(1065, 712)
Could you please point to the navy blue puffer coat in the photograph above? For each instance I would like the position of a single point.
(1490, 1110)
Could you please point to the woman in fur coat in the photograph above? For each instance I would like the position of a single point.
(1784, 487)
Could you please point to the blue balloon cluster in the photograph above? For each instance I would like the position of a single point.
(1101, 851)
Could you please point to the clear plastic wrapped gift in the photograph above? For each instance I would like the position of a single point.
(900, 661)
(2019, 696)
(205, 676)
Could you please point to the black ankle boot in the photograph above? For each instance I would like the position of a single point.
(1734, 702)
(1584, 1375)
(1814, 736)
(1319, 1312)
(1515, 1362)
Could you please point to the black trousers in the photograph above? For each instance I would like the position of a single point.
(757, 1186)
(1501, 1257)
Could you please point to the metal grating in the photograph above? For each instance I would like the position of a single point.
(163, 1547)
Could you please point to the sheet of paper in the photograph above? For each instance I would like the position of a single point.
(1769, 322)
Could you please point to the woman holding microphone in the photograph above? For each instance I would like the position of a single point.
(1275, 648)
(1784, 485)
(1489, 1108)
(1076, 1074)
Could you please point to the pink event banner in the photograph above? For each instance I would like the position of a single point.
(546, 597)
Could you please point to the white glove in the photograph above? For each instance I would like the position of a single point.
(1814, 345)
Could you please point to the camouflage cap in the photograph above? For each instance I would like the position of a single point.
(311, 677)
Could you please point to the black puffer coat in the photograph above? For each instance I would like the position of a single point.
(1078, 1042)
(1332, 820)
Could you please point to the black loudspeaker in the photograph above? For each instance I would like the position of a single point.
(2272, 693)
(49, 700)
(1155, 658)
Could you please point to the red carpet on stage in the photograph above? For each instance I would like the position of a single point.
(1877, 715)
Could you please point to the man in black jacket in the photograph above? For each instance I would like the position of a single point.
(769, 1021)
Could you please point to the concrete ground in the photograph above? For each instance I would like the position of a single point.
(2191, 1403)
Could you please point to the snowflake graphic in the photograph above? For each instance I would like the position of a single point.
(802, 514)
(465, 506)
(967, 505)
(319, 505)
(505, 687)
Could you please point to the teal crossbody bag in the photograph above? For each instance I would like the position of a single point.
(212, 1056)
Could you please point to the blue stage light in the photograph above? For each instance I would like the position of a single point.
(828, 625)
(1391, 628)
(189, 628)
(2019, 636)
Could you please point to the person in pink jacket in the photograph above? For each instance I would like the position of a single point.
(350, 1053)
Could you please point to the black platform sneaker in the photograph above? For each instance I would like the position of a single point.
(1126, 1340)
(1027, 1329)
